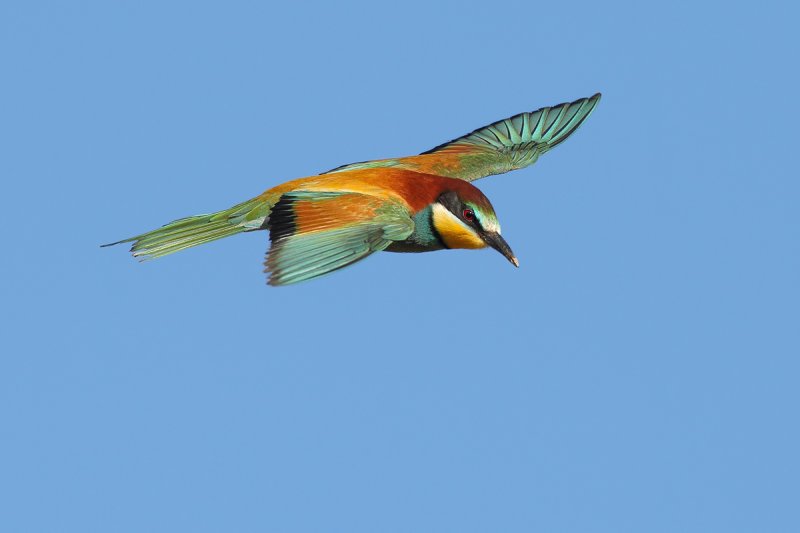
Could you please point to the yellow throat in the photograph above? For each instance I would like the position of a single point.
(454, 233)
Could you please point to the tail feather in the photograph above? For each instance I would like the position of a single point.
(199, 229)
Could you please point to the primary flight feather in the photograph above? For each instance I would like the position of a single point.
(418, 203)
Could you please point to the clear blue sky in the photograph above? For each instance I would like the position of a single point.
(639, 372)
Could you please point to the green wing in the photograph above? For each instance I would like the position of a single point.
(314, 233)
(508, 144)
(537, 131)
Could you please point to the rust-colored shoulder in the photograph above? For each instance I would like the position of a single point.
(415, 190)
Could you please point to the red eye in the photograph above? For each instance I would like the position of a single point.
(469, 215)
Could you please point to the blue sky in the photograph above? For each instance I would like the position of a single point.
(637, 373)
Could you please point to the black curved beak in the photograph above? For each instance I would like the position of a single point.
(496, 241)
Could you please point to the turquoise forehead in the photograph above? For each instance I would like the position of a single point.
(485, 215)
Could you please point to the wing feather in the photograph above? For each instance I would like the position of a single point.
(505, 145)
(314, 233)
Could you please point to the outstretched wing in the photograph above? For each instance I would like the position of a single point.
(509, 144)
(314, 233)
(513, 143)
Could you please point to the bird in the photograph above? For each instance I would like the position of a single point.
(419, 203)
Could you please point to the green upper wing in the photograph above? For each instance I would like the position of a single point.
(515, 142)
(314, 233)
(508, 144)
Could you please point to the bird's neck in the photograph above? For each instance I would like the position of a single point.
(425, 234)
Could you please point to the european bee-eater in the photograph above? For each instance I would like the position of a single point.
(418, 203)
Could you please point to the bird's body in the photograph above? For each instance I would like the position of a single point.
(413, 192)
(419, 203)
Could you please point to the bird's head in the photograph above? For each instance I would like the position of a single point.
(469, 222)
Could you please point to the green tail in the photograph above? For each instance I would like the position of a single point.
(199, 229)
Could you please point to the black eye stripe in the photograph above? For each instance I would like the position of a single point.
(469, 216)
(458, 208)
